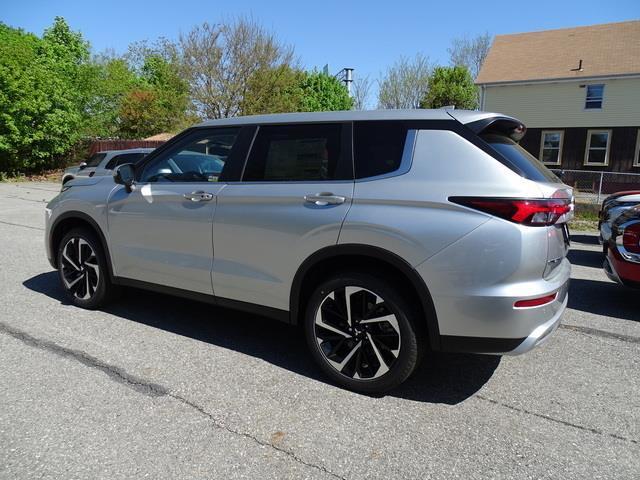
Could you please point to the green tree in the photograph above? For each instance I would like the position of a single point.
(140, 114)
(451, 86)
(112, 79)
(43, 88)
(171, 91)
(273, 90)
(322, 92)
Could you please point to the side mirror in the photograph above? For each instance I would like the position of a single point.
(82, 166)
(125, 174)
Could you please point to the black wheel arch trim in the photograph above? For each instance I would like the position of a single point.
(71, 215)
(378, 253)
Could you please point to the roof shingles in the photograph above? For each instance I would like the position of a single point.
(607, 49)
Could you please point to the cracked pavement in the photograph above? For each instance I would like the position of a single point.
(168, 388)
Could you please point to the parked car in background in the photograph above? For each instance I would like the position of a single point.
(103, 163)
(382, 234)
(612, 207)
(622, 263)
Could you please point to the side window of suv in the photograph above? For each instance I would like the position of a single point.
(124, 158)
(95, 159)
(201, 157)
(378, 147)
(305, 152)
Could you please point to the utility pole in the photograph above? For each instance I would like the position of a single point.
(345, 75)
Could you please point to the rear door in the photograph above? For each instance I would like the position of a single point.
(291, 201)
(161, 231)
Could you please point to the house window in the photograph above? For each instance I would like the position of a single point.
(597, 149)
(595, 95)
(636, 159)
(551, 147)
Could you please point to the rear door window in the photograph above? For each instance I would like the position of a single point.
(124, 158)
(95, 159)
(530, 167)
(378, 147)
(308, 152)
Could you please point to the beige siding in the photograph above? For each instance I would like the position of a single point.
(548, 105)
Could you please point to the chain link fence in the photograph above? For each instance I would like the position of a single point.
(593, 187)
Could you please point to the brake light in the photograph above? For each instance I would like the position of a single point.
(631, 238)
(536, 302)
(533, 212)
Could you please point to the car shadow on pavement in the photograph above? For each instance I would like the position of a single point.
(442, 378)
(586, 258)
(604, 298)
(585, 239)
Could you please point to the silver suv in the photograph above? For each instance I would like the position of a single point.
(383, 234)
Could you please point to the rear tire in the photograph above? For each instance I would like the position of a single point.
(82, 268)
(361, 332)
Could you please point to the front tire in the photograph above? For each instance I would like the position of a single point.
(360, 332)
(82, 268)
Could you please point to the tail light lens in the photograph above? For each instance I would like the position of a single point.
(533, 212)
(536, 302)
(631, 238)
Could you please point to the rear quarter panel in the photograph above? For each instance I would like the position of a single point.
(410, 215)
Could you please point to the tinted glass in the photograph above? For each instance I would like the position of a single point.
(201, 159)
(599, 140)
(295, 153)
(529, 166)
(124, 158)
(95, 159)
(594, 96)
(378, 147)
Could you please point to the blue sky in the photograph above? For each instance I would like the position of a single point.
(365, 35)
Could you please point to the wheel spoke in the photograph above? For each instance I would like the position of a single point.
(383, 365)
(68, 259)
(326, 326)
(339, 366)
(72, 283)
(79, 252)
(391, 319)
(348, 291)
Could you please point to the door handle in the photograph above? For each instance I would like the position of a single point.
(198, 196)
(324, 198)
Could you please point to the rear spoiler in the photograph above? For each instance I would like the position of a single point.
(481, 123)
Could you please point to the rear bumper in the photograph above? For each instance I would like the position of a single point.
(620, 270)
(511, 346)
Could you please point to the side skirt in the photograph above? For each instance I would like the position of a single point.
(275, 313)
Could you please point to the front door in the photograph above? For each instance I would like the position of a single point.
(291, 201)
(161, 232)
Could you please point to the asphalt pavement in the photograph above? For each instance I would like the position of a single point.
(161, 387)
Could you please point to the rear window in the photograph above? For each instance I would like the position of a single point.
(528, 165)
(95, 159)
(378, 147)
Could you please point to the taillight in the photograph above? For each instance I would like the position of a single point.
(533, 212)
(631, 238)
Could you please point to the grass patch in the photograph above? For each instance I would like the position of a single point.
(585, 217)
(46, 176)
